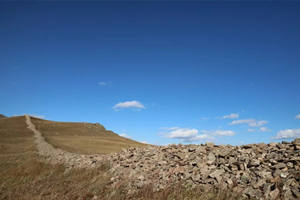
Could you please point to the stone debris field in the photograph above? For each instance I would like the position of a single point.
(257, 171)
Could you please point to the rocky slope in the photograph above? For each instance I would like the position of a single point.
(262, 171)
(259, 171)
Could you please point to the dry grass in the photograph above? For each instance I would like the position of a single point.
(84, 138)
(14, 132)
(23, 176)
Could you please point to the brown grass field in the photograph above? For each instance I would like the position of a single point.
(24, 176)
(84, 138)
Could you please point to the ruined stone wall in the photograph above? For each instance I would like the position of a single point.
(260, 171)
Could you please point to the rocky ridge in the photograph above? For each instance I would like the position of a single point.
(259, 171)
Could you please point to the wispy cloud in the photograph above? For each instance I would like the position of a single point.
(198, 138)
(192, 134)
(242, 121)
(250, 122)
(170, 128)
(288, 134)
(104, 83)
(260, 129)
(129, 104)
(231, 116)
(297, 116)
(264, 129)
(182, 133)
(218, 132)
(258, 123)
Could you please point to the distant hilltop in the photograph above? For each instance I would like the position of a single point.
(2, 116)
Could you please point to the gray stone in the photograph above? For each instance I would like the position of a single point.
(250, 192)
(210, 144)
(229, 181)
(296, 141)
(211, 158)
(296, 192)
(254, 163)
(259, 183)
(217, 175)
(274, 194)
(223, 152)
(284, 175)
(280, 166)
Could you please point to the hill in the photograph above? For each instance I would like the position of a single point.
(2, 116)
(206, 172)
(83, 138)
(25, 175)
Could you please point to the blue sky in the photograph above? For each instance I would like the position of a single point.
(161, 72)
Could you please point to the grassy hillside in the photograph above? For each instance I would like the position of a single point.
(84, 138)
(15, 138)
(24, 176)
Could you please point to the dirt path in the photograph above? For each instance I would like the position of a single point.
(59, 156)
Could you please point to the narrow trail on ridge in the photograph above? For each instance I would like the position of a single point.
(59, 156)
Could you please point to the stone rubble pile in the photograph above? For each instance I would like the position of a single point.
(260, 171)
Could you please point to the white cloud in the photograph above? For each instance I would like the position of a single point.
(185, 134)
(190, 135)
(144, 142)
(219, 132)
(258, 123)
(128, 104)
(297, 116)
(170, 128)
(182, 133)
(264, 129)
(104, 83)
(231, 116)
(197, 138)
(288, 134)
(242, 121)
(250, 122)
(261, 129)
(224, 132)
